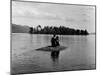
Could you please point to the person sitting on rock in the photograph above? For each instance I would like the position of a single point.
(57, 41)
(53, 41)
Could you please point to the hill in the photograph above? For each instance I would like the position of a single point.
(19, 29)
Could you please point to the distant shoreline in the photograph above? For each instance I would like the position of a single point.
(57, 34)
(48, 30)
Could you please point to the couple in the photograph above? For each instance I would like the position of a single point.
(55, 41)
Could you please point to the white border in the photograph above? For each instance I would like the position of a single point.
(5, 37)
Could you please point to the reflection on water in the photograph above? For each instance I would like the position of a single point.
(55, 57)
(80, 53)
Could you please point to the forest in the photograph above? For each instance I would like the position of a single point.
(61, 30)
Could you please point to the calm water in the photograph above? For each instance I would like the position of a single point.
(79, 54)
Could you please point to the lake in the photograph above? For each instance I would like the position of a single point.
(79, 54)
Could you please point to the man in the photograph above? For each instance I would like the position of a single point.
(53, 41)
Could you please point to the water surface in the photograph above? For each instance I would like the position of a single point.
(79, 54)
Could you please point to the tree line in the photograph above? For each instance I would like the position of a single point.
(62, 30)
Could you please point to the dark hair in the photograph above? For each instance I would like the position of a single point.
(57, 37)
(54, 34)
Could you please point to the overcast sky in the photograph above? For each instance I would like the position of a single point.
(46, 14)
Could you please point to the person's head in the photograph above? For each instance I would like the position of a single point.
(57, 37)
(54, 35)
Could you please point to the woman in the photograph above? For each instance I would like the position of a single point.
(57, 41)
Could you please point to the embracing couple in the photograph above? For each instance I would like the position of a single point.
(55, 41)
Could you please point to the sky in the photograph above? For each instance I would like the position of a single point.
(48, 14)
